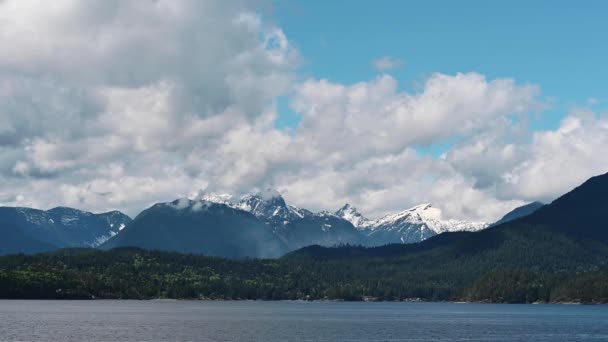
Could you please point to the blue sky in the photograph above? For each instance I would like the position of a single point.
(557, 45)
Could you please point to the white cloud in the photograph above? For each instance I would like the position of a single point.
(386, 63)
(512, 162)
(120, 104)
(559, 160)
(369, 118)
(147, 86)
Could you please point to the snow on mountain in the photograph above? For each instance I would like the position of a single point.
(289, 227)
(270, 205)
(267, 205)
(65, 227)
(408, 226)
(201, 227)
(429, 216)
(350, 214)
(214, 220)
(215, 198)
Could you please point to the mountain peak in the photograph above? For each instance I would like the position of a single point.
(213, 197)
(267, 203)
(426, 216)
(346, 207)
(351, 214)
(420, 212)
(579, 212)
(264, 198)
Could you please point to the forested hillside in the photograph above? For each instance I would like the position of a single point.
(558, 253)
(131, 273)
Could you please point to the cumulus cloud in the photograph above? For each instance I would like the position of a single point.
(512, 162)
(145, 87)
(368, 118)
(559, 160)
(120, 104)
(386, 63)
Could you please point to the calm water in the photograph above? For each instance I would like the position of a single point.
(297, 321)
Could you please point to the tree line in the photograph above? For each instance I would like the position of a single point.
(138, 274)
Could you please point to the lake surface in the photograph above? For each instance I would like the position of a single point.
(296, 321)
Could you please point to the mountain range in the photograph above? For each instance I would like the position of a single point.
(256, 225)
(30, 230)
(557, 253)
(264, 225)
(568, 235)
(408, 226)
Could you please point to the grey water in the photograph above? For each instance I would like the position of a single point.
(296, 321)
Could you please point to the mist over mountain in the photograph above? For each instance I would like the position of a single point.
(257, 225)
(199, 227)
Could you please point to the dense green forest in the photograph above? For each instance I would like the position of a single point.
(139, 274)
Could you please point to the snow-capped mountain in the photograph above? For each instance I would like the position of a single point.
(261, 224)
(64, 227)
(429, 216)
(294, 227)
(256, 225)
(267, 205)
(201, 227)
(270, 206)
(215, 198)
(352, 215)
(408, 226)
(297, 227)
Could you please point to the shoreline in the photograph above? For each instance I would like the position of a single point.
(296, 301)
